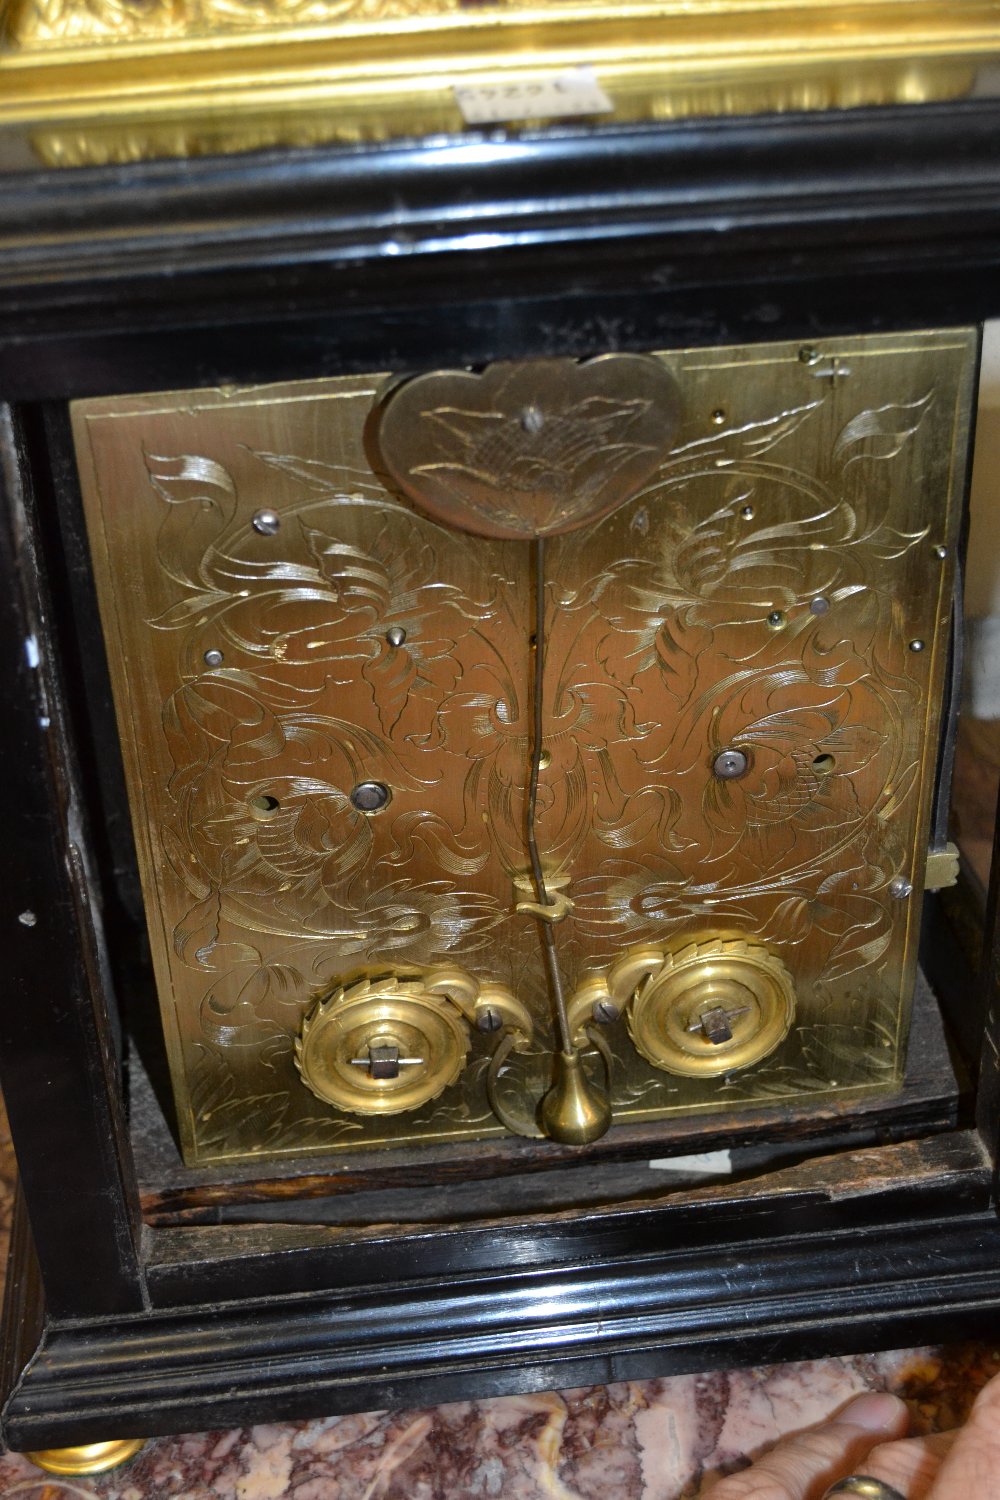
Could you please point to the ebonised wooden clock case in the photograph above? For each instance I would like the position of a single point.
(299, 264)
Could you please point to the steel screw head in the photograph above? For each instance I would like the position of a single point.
(370, 796)
(395, 635)
(819, 605)
(213, 658)
(267, 522)
(729, 765)
(488, 1019)
(900, 888)
(916, 646)
(605, 1012)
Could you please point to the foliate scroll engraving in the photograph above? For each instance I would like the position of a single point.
(759, 593)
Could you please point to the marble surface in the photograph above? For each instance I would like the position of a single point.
(645, 1440)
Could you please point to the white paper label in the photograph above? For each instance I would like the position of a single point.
(714, 1163)
(543, 96)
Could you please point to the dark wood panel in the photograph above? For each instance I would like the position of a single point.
(925, 1179)
(58, 1067)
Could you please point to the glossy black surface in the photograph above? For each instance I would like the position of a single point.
(299, 264)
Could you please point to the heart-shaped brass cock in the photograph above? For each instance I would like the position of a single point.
(530, 449)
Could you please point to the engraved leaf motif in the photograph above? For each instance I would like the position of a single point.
(201, 497)
(196, 939)
(679, 647)
(195, 610)
(392, 675)
(335, 480)
(233, 1011)
(853, 952)
(887, 543)
(880, 432)
(750, 438)
(189, 476)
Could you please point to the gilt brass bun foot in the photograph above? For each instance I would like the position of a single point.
(88, 1458)
(574, 1111)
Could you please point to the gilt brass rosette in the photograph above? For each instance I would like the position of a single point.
(711, 1008)
(421, 1038)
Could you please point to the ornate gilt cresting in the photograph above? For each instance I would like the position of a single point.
(327, 687)
(96, 81)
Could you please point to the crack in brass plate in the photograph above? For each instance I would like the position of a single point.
(760, 594)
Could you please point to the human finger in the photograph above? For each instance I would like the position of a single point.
(802, 1467)
(972, 1467)
(912, 1465)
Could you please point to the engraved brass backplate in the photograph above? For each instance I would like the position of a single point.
(324, 701)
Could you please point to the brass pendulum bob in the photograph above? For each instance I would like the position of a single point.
(574, 1111)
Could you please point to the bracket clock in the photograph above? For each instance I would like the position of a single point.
(481, 644)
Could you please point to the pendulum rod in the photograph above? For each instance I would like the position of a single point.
(541, 892)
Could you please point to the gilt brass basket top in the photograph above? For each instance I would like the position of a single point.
(91, 81)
